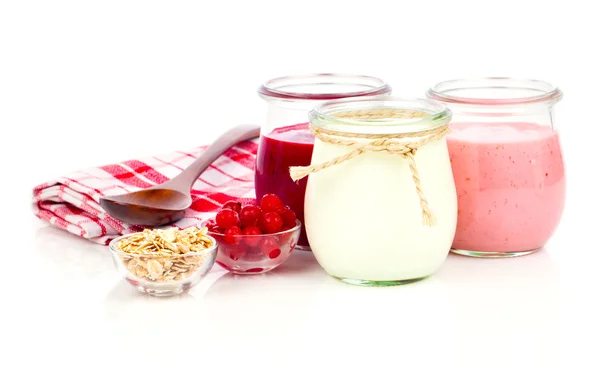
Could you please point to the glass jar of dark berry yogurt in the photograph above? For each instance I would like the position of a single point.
(285, 139)
(507, 164)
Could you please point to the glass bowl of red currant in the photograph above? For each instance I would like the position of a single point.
(254, 238)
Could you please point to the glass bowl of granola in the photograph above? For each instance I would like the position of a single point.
(164, 262)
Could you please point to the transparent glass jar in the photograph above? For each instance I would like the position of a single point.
(507, 164)
(285, 140)
(384, 214)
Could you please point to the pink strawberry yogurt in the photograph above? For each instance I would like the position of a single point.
(510, 181)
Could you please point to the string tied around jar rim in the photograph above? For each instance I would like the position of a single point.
(382, 143)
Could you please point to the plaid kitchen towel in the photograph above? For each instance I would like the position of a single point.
(72, 203)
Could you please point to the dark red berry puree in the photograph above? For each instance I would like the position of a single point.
(278, 151)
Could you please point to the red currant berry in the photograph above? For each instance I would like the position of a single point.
(249, 215)
(232, 235)
(274, 253)
(271, 223)
(289, 219)
(227, 218)
(269, 245)
(211, 224)
(233, 205)
(223, 265)
(235, 254)
(217, 230)
(254, 270)
(233, 251)
(249, 239)
(271, 203)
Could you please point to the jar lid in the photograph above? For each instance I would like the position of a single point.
(323, 86)
(381, 115)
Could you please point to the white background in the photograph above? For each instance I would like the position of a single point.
(86, 83)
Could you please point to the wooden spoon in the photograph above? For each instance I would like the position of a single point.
(166, 203)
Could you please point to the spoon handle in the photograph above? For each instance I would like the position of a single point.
(184, 181)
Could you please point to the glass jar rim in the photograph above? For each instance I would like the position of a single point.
(436, 115)
(288, 87)
(501, 91)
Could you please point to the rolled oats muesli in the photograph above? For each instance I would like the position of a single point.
(164, 253)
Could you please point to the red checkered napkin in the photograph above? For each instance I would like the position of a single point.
(72, 203)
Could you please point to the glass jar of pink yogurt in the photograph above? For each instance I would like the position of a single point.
(507, 164)
(285, 140)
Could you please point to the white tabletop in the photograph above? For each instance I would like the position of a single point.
(161, 76)
(73, 308)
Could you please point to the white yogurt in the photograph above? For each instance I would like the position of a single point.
(363, 216)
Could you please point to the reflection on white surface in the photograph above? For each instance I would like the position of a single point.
(471, 312)
(503, 306)
(132, 315)
(69, 254)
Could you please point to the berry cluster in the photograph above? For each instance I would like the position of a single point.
(271, 216)
(244, 228)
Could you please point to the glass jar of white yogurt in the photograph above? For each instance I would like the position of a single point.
(380, 204)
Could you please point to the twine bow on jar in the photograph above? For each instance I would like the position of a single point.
(383, 143)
